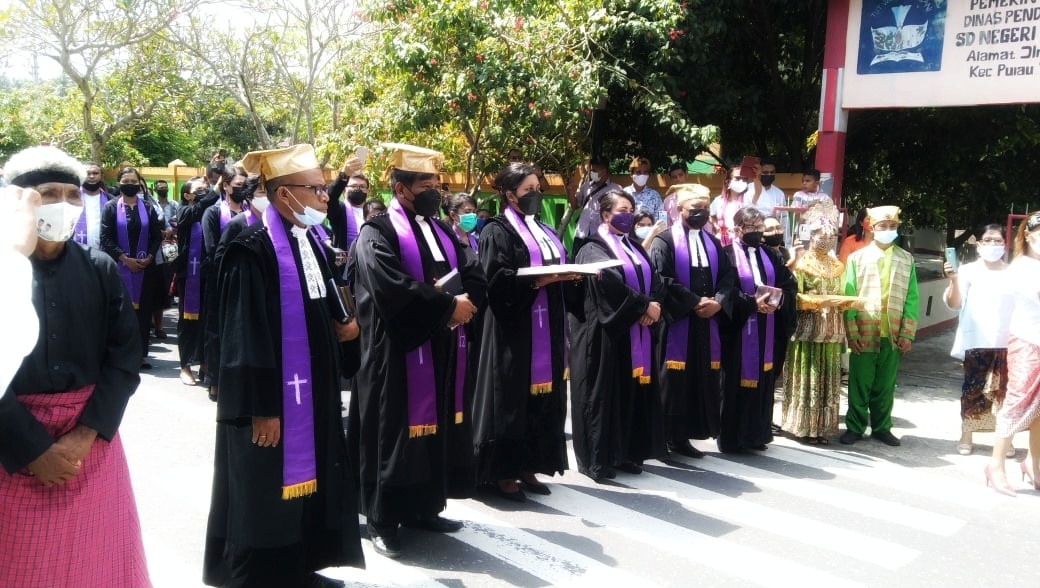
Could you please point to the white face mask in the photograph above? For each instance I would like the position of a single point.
(594, 177)
(309, 216)
(259, 204)
(643, 232)
(738, 186)
(991, 253)
(641, 179)
(56, 222)
(886, 237)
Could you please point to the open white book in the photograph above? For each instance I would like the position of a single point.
(588, 269)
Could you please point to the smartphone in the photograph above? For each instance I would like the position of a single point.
(951, 258)
(362, 153)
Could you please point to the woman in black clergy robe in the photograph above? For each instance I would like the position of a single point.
(614, 414)
(699, 280)
(520, 402)
(750, 360)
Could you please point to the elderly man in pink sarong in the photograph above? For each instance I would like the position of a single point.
(67, 512)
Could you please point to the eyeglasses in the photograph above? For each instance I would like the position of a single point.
(317, 189)
(991, 241)
(760, 228)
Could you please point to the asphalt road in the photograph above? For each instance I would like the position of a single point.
(865, 515)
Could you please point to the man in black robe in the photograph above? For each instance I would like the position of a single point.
(264, 528)
(690, 382)
(748, 390)
(195, 200)
(414, 443)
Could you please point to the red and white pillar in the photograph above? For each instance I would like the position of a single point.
(830, 141)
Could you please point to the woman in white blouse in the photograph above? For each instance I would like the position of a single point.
(978, 291)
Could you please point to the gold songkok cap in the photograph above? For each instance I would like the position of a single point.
(275, 163)
(684, 192)
(883, 213)
(414, 159)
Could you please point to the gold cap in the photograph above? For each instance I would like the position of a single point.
(686, 192)
(414, 159)
(275, 163)
(883, 213)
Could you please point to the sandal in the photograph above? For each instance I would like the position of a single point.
(823, 441)
(808, 440)
(964, 448)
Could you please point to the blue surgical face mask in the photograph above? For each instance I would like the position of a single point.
(468, 221)
(309, 216)
(886, 237)
(480, 224)
(643, 232)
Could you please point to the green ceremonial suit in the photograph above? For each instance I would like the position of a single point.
(887, 275)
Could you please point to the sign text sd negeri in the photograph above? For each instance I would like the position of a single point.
(992, 25)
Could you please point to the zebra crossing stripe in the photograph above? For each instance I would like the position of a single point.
(863, 505)
(719, 554)
(794, 527)
(556, 565)
(883, 473)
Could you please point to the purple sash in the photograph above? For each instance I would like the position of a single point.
(749, 360)
(193, 279)
(132, 280)
(250, 217)
(473, 243)
(541, 333)
(639, 335)
(679, 331)
(352, 227)
(421, 379)
(81, 235)
(299, 475)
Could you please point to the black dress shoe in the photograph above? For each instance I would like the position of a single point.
(515, 496)
(630, 467)
(319, 581)
(388, 546)
(600, 473)
(536, 488)
(436, 524)
(887, 438)
(848, 438)
(761, 447)
(685, 448)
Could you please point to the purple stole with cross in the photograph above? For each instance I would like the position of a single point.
(679, 331)
(541, 332)
(419, 370)
(193, 279)
(299, 473)
(639, 335)
(749, 355)
(132, 280)
(81, 234)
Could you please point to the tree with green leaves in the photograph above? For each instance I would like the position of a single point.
(113, 51)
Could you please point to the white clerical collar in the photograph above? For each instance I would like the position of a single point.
(548, 251)
(431, 241)
(299, 232)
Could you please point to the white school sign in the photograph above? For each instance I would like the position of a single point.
(907, 53)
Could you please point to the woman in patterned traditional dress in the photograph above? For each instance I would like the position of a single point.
(1021, 407)
(979, 292)
(812, 388)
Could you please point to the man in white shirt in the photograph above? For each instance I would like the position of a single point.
(769, 196)
(647, 199)
(587, 200)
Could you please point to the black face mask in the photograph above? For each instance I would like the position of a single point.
(767, 179)
(356, 196)
(752, 239)
(427, 203)
(530, 203)
(238, 195)
(773, 240)
(162, 193)
(199, 194)
(697, 218)
(91, 186)
(129, 189)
